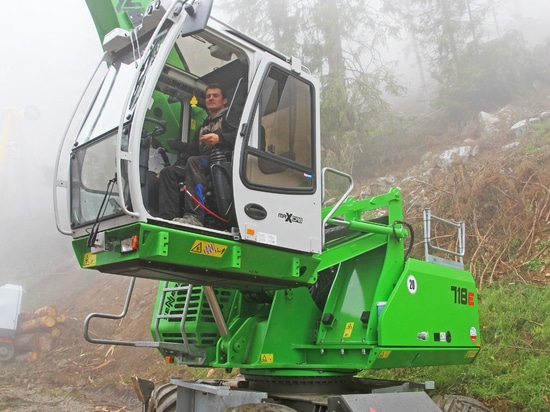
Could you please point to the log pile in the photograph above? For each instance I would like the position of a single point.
(37, 331)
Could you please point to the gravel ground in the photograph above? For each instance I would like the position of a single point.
(15, 398)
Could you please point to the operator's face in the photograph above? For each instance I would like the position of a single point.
(215, 101)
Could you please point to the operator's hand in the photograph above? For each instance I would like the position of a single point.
(210, 139)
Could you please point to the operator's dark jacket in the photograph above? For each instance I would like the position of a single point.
(219, 125)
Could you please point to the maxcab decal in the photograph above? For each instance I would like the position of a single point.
(290, 218)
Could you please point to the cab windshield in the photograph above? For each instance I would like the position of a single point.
(109, 90)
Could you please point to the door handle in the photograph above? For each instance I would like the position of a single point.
(255, 211)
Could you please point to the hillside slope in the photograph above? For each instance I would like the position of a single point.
(495, 177)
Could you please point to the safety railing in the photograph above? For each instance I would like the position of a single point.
(459, 250)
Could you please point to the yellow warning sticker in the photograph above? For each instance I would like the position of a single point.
(208, 248)
(348, 329)
(266, 358)
(89, 260)
(385, 354)
(471, 354)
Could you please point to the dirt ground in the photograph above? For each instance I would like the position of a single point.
(18, 398)
(79, 376)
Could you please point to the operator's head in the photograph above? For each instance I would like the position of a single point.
(215, 98)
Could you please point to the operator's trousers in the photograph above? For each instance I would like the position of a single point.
(196, 184)
(171, 179)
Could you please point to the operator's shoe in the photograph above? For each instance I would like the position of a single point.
(189, 219)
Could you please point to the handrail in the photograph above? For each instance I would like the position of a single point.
(461, 236)
(340, 201)
(112, 317)
(182, 348)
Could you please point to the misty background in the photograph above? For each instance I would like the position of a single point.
(49, 50)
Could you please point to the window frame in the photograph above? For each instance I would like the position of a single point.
(254, 129)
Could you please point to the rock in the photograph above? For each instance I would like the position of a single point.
(456, 155)
(381, 184)
(520, 128)
(507, 113)
(510, 146)
(427, 160)
(386, 180)
(488, 125)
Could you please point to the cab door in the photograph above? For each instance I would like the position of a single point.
(276, 165)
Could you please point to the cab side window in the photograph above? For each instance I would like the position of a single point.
(279, 152)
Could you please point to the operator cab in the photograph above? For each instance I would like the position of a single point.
(148, 92)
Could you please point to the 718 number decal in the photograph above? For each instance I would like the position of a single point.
(462, 296)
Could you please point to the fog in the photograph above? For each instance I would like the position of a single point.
(529, 17)
(49, 50)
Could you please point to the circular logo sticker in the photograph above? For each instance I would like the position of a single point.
(473, 333)
(411, 284)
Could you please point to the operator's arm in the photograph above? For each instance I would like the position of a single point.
(223, 138)
(226, 136)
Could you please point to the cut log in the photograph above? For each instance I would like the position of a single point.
(45, 311)
(38, 313)
(55, 332)
(33, 356)
(60, 318)
(37, 325)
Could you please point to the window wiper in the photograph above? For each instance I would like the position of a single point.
(101, 212)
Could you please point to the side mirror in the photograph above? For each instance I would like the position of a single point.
(198, 13)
